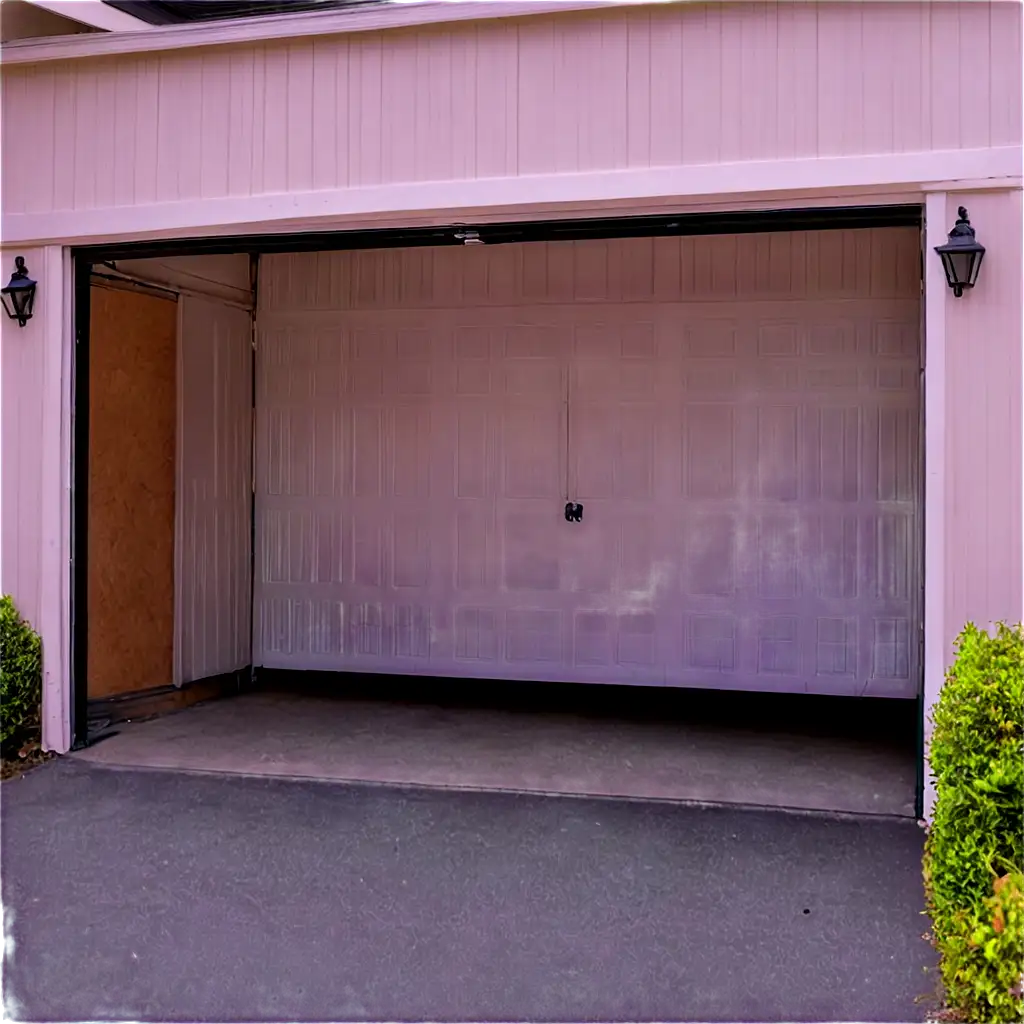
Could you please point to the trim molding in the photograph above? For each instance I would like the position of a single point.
(976, 184)
(55, 512)
(162, 699)
(336, 209)
(935, 289)
(294, 26)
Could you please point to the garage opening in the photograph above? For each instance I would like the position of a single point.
(628, 515)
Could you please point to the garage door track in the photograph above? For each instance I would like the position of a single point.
(162, 896)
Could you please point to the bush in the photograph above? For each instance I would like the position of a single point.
(974, 850)
(21, 677)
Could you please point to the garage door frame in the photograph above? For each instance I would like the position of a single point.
(510, 232)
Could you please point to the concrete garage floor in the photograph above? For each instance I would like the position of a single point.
(798, 752)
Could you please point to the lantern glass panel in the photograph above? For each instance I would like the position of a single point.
(959, 264)
(17, 299)
(972, 273)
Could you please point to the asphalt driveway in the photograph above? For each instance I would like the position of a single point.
(158, 896)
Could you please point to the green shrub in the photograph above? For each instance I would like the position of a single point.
(21, 677)
(974, 850)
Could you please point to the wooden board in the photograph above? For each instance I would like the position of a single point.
(132, 382)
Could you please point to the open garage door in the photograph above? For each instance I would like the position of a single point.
(738, 417)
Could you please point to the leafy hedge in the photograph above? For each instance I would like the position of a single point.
(21, 678)
(974, 850)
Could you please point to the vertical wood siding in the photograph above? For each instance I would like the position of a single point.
(985, 377)
(212, 585)
(22, 368)
(35, 507)
(664, 85)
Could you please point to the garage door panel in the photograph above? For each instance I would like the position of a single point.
(475, 545)
(710, 436)
(834, 438)
(613, 451)
(478, 434)
(776, 454)
(835, 566)
(779, 555)
(710, 644)
(746, 449)
(533, 450)
(712, 552)
(530, 551)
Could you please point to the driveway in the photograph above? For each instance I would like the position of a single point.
(163, 896)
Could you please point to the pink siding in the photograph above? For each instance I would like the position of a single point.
(35, 495)
(22, 367)
(663, 85)
(985, 378)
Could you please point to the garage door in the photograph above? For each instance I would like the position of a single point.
(738, 417)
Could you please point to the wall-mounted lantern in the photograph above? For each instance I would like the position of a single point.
(961, 255)
(19, 294)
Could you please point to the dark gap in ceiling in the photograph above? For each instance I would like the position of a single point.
(737, 222)
(177, 12)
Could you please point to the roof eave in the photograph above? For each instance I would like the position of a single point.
(400, 14)
(93, 13)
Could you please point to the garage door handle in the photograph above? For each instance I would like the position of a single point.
(573, 512)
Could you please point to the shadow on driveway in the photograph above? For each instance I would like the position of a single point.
(170, 897)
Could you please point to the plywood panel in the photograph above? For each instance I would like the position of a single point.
(132, 370)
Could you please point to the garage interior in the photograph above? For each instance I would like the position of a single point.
(626, 510)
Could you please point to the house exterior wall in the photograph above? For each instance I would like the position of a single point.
(22, 380)
(639, 87)
(983, 431)
(35, 484)
(682, 106)
(974, 435)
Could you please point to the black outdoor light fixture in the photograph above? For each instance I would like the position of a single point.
(961, 255)
(19, 294)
